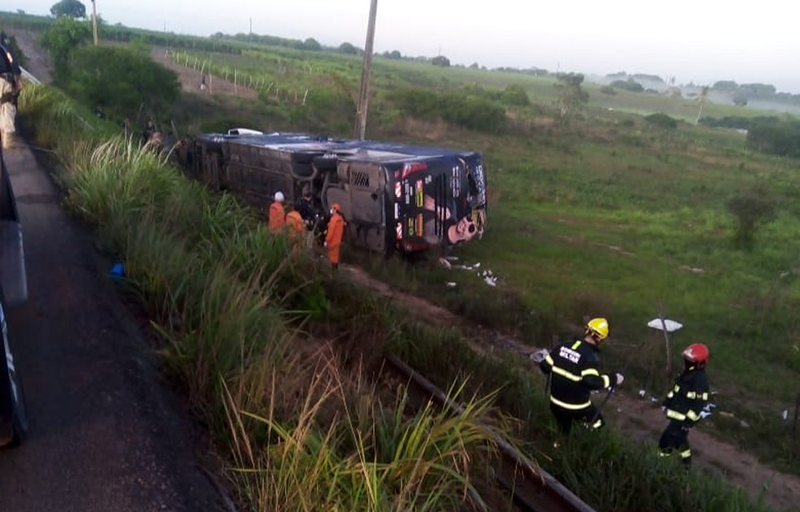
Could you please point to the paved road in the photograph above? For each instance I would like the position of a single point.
(106, 434)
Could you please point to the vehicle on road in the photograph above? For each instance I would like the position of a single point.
(13, 291)
(394, 197)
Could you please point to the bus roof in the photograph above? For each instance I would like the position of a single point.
(363, 150)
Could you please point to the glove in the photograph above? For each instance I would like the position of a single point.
(620, 379)
(539, 355)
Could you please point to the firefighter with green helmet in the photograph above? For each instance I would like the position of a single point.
(573, 369)
(685, 404)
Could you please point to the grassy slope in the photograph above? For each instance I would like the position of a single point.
(608, 216)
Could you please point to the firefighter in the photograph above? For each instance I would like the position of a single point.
(297, 228)
(685, 403)
(333, 238)
(573, 371)
(10, 87)
(277, 215)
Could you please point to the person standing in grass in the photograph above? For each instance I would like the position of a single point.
(10, 87)
(297, 228)
(573, 370)
(277, 215)
(333, 238)
(685, 403)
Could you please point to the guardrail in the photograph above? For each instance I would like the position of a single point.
(29, 77)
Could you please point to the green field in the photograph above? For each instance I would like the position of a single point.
(612, 216)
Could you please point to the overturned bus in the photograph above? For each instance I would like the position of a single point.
(394, 197)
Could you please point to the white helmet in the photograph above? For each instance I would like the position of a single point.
(279, 196)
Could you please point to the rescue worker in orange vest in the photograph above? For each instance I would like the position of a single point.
(277, 216)
(685, 403)
(573, 371)
(333, 238)
(297, 228)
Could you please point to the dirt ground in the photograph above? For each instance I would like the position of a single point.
(36, 63)
(191, 79)
(638, 417)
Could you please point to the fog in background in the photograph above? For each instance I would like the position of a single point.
(696, 42)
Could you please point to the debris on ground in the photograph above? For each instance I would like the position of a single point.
(450, 284)
(488, 277)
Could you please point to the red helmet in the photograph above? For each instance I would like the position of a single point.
(696, 353)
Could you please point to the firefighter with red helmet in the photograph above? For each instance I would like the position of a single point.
(685, 403)
(573, 370)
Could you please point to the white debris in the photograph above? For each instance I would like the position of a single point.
(785, 414)
(744, 424)
(670, 325)
(653, 399)
(450, 284)
(642, 393)
(708, 410)
(488, 277)
(451, 258)
(444, 263)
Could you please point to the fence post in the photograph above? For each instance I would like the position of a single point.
(796, 407)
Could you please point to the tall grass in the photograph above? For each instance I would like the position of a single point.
(222, 295)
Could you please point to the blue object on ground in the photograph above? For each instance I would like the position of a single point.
(118, 271)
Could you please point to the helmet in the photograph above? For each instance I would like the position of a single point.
(598, 327)
(279, 196)
(696, 353)
(336, 207)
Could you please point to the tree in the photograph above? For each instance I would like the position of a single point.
(62, 37)
(702, 100)
(571, 95)
(752, 210)
(725, 86)
(348, 49)
(441, 60)
(69, 8)
(312, 45)
(394, 54)
(740, 100)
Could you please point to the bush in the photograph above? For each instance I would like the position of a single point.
(456, 108)
(662, 121)
(607, 89)
(120, 80)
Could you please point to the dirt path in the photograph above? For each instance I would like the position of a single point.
(191, 79)
(36, 60)
(638, 417)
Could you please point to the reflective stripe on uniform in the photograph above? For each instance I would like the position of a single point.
(567, 375)
(693, 415)
(576, 345)
(549, 360)
(675, 415)
(685, 454)
(572, 407)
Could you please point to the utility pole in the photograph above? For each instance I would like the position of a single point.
(360, 128)
(94, 21)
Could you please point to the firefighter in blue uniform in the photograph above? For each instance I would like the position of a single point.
(573, 370)
(685, 403)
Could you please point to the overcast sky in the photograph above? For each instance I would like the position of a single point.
(695, 41)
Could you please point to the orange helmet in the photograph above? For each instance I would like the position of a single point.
(696, 353)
